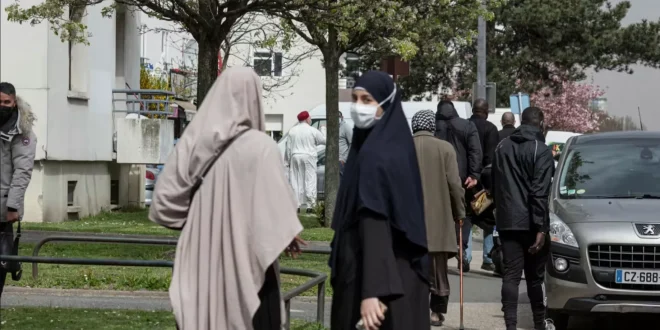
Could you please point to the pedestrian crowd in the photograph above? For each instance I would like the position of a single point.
(403, 205)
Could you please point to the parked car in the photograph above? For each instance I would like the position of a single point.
(153, 170)
(151, 175)
(604, 226)
(556, 140)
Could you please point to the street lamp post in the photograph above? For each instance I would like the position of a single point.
(481, 55)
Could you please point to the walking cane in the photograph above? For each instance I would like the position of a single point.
(460, 239)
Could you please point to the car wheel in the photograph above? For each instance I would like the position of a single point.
(559, 318)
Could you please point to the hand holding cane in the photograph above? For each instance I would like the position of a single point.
(460, 239)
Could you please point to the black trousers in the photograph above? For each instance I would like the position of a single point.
(515, 246)
(7, 229)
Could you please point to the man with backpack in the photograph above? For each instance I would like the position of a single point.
(464, 137)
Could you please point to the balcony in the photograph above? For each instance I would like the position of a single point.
(144, 125)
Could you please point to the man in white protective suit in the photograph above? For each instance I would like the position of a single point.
(302, 158)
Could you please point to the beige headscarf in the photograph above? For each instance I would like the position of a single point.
(241, 218)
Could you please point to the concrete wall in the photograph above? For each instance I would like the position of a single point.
(25, 65)
(144, 141)
(75, 121)
(91, 194)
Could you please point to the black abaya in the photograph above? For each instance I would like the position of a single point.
(268, 316)
(372, 262)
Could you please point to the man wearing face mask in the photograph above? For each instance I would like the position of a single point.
(17, 148)
(522, 173)
(345, 138)
(301, 155)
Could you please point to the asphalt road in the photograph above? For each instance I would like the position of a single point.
(482, 305)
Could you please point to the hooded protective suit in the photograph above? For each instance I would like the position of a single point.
(302, 157)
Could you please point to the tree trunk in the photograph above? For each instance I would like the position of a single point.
(207, 65)
(331, 61)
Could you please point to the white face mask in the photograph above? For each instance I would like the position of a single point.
(364, 115)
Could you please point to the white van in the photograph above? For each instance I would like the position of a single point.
(319, 120)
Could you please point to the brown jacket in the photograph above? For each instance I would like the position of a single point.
(444, 196)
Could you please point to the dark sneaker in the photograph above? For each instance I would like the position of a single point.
(437, 319)
(466, 266)
(549, 325)
(488, 267)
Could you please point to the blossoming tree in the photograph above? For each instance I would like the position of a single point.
(569, 108)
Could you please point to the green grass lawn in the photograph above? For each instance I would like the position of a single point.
(30, 318)
(131, 278)
(136, 222)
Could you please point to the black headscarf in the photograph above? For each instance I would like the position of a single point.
(382, 173)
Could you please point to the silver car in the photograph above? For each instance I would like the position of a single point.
(605, 227)
(151, 175)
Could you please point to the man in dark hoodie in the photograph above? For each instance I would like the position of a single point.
(508, 125)
(522, 173)
(489, 138)
(462, 134)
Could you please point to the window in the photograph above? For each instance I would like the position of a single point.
(321, 158)
(611, 169)
(70, 192)
(276, 135)
(114, 192)
(318, 123)
(352, 65)
(77, 54)
(268, 64)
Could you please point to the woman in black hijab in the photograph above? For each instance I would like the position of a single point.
(379, 249)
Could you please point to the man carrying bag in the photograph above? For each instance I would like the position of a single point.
(18, 145)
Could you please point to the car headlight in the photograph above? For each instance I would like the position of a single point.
(560, 232)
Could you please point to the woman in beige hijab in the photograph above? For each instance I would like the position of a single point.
(237, 221)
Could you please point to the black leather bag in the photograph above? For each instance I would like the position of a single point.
(9, 246)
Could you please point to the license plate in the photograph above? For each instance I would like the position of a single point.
(629, 276)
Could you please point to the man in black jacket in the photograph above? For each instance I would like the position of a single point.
(508, 125)
(522, 172)
(463, 135)
(489, 138)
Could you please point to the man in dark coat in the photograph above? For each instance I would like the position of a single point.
(462, 134)
(522, 173)
(489, 138)
(508, 125)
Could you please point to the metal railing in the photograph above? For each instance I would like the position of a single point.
(139, 101)
(316, 278)
(92, 239)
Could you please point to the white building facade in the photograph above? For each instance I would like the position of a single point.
(70, 90)
(294, 79)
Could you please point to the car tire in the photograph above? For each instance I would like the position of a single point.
(559, 318)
